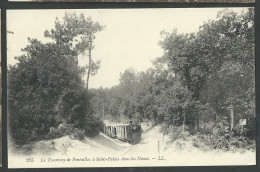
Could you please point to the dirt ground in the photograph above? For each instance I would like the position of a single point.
(152, 146)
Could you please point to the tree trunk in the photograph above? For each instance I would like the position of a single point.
(196, 127)
(195, 124)
(89, 60)
(183, 126)
(204, 126)
(231, 118)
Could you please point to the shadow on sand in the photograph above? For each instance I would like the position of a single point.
(110, 142)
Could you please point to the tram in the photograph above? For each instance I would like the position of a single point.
(126, 132)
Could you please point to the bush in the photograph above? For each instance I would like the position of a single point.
(227, 142)
(62, 130)
(93, 126)
(79, 134)
(176, 133)
(54, 133)
(180, 145)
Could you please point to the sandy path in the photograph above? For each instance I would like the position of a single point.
(148, 152)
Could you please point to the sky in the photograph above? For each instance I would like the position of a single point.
(130, 38)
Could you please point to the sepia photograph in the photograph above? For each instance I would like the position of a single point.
(131, 87)
(174, 1)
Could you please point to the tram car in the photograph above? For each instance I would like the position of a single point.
(126, 132)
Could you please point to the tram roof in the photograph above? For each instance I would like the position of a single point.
(121, 125)
(117, 125)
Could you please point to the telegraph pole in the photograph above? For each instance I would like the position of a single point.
(231, 117)
(103, 110)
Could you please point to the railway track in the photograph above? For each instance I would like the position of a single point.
(128, 150)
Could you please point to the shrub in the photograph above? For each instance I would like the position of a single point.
(93, 126)
(176, 133)
(79, 134)
(62, 130)
(180, 146)
(227, 142)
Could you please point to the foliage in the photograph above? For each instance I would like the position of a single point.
(217, 65)
(56, 133)
(78, 134)
(93, 126)
(198, 78)
(78, 33)
(226, 142)
(45, 87)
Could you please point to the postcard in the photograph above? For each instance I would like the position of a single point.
(131, 87)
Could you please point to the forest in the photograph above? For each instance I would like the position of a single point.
(202, 85)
